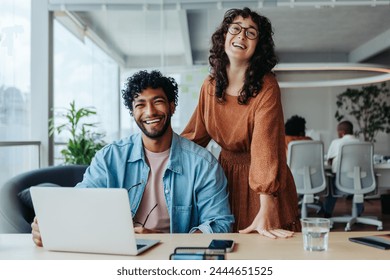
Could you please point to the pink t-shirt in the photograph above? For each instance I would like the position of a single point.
(154, 195)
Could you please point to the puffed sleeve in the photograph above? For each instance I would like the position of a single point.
(268, 136)
(196, 128)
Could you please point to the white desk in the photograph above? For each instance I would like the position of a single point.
(382, 172)
(249, 247)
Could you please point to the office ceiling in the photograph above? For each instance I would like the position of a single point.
(177, 33)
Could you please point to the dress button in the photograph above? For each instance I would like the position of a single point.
(166, 191)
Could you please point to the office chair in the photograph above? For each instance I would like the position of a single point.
(16, 214)
(355, 176)
(306, 161)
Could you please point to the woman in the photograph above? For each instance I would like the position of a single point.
(240, 109)
(295, 130)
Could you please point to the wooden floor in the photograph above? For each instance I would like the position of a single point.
(372, 207)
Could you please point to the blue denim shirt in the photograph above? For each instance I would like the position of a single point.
(194, 183)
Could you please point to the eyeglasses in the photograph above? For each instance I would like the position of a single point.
(250, 32)
(136, 185)
(147, 217)
(150, 212)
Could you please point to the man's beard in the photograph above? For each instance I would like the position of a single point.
(154, 134)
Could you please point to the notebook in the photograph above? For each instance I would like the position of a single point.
(380, 241)
(88, 220)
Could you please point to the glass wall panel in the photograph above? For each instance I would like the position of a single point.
(85, 74)
(15, 86)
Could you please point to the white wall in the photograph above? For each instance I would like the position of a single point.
(318, 105)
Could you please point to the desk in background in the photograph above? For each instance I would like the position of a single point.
(248, 247)
(382, 171)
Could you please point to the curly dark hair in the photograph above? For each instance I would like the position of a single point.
(262, 62)
(143, 80)
(295, 126)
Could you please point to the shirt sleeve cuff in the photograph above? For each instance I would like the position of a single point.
(203, 228)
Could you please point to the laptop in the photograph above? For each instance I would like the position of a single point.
(88, 220)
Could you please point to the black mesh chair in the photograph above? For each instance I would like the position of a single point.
(16, 212)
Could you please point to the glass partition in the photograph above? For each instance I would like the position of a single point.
(19, 157)
(15, 95)
(85, 74)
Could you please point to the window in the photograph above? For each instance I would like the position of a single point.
(15, 97)
(87, 75)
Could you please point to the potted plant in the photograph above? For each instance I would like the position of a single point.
(83, 143)
(369, 106)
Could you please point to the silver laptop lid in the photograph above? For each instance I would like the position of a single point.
(91, 220)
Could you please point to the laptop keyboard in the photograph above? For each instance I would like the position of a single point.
(139, 246)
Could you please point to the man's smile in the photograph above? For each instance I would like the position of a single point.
(151, 121)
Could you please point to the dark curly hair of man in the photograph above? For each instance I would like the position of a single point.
(262, 62)
(143, 80)
(295, 126)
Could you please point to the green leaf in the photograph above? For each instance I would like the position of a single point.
(368, 107)
(83, 142)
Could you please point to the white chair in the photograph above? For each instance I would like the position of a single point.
(306, 161)
(355, 175)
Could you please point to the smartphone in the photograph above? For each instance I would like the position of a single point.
(224, 244)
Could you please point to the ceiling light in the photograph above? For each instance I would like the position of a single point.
(382, 74)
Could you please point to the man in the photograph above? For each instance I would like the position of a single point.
(174, 185)
(345, 134)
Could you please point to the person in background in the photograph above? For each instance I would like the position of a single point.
(173, 184)
(345, 135)
(240, 109)
(295, 129)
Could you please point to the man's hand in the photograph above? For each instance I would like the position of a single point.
(36, 234)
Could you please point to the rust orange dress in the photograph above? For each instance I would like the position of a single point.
(253, 151)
